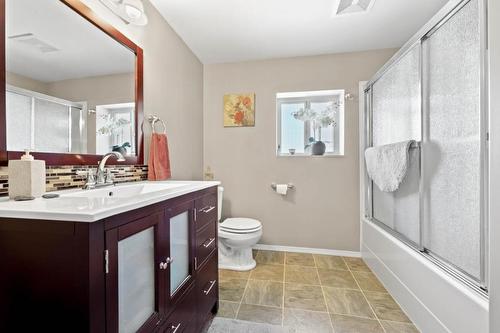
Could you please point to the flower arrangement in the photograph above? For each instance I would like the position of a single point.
(111, 124)
(319, 119)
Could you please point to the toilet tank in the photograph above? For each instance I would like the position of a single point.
(220, 192)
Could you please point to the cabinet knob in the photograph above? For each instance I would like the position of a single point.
(164, 265)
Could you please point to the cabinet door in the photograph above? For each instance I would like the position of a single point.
(134, 275)
(180, 270)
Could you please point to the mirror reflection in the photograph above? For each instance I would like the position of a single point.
(70, 88)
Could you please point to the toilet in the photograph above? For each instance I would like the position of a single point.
(237, 236)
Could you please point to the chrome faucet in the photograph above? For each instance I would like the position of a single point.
(102, 178)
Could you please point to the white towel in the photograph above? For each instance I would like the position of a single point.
(387, 165)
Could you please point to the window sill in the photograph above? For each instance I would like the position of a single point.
(311, 156)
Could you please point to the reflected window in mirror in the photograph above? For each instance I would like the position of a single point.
(70, 87)
(115, 128)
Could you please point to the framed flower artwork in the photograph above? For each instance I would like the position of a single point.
(239, 110)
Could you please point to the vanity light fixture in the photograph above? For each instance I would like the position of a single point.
(130, 11)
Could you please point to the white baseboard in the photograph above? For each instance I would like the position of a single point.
(307, 250)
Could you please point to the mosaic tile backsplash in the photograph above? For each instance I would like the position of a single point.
(71, 176)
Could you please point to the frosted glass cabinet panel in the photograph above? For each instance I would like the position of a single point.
(136, 280)
(179, 250)
(452, 168)
(396, 102)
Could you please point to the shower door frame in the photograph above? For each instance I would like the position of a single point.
(449, 10)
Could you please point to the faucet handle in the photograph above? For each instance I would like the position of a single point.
(109, 176)
(91, 176)
(90, 182)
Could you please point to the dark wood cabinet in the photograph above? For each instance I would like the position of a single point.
(132, 261)
(207, 290)
(153, 269)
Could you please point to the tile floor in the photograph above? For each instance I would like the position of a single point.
(311, 293)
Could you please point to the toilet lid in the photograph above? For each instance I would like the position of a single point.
(240, 225)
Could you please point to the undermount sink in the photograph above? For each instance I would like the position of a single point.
(124, 191)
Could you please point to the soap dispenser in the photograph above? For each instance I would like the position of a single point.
(26, 177)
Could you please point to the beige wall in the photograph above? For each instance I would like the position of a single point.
(173, 88)
(24, 82)
(97, 90)
(323, 210)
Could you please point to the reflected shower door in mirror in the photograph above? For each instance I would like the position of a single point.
(70, 87)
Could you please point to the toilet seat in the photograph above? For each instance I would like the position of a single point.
(240, 225)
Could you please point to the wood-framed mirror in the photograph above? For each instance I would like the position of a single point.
(73, 85)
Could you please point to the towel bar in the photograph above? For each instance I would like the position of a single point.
(290, 186)
(415, 145)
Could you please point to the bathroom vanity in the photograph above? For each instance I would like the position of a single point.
(139, 257)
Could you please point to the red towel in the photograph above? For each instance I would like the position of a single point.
(159, 162)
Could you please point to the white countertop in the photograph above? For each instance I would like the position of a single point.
(92, 205)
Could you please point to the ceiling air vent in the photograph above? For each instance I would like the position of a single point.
(30, 40)
(343, 7)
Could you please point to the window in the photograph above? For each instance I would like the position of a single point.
(305, 118)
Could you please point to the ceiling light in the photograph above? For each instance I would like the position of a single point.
(130, 11)
(342, 7)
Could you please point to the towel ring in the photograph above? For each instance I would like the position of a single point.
(153, 119)
(162, 122)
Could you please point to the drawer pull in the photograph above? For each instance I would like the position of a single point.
(175, 328)
(210, 241)
(207, 209)
(212, 284)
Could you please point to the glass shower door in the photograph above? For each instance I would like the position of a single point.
(56, 117)
(396, 111)
(452, 141)
(19, 125)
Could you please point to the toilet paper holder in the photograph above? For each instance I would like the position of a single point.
(290, 186)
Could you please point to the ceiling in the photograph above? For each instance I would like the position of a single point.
(237, 30)
(82, 50)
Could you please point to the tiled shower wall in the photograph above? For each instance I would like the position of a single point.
(71, 176)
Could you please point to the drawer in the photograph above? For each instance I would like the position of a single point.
(207, 287)
(206, 210)
(180, 320)
(206, 242)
